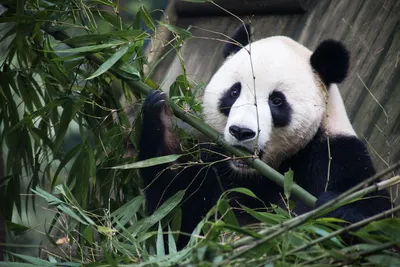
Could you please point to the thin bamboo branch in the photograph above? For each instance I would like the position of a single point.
(245, 240)
(340, 231)
(256, 163)
(340, 200)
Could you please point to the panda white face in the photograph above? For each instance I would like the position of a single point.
(268, 101)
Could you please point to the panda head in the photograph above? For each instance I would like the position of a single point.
(270, 97)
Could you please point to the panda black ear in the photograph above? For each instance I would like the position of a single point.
(242, 36)
(331, 61)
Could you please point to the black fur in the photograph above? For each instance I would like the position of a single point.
(331, 61)
(350, 165)
(228, 99)
(282, 113)
(242, 36)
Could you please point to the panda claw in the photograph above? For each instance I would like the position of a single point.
(153, 100)
(154, 105)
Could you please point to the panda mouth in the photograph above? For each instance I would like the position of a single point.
(240, 163)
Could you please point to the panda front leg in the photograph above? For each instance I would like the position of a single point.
(156, 137)
(160, 181)
(157, 140)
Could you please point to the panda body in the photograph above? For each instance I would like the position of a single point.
(278, 100)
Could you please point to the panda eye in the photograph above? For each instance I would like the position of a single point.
(235, 92)
(276, 101)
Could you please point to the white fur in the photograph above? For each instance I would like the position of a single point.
(336, 120)
(281, 64)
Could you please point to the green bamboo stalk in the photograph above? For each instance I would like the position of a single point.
(199, 125)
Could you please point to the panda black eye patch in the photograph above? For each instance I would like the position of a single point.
(280, 109)
(229, 97)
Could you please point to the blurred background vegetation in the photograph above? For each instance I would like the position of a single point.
(28, 62)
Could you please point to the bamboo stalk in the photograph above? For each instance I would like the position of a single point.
(256, 163)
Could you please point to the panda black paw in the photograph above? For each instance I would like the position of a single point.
(349, 212)
(156, 113)
(155, 104)
(157, 138)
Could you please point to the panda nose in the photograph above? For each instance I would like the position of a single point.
(241, 133)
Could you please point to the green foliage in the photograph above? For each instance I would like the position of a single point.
(128, 238)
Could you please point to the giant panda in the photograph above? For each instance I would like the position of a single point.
(278, 100)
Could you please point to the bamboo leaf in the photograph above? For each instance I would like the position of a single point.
(171, 242)
(108, 17)
(128, 210)
(88, 233)
(389, 227)
(33, 260)
(288, 183)
(43, 136)
(128, 71)
(242, 190)
(227, 213)
(109, 62)
(18, 264)
(17, 229)
(67, 158)
(147, 18)
(91, 48)
(182, 33)
(12, 31)
(79, 178)
(161, 212)
(160, 241)
(71, 213)
(265, 217)
(383, 260)
(24, 91)
(149, 162)
(50, 199)
(92, 39)
(65, 119)
(322, 232)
